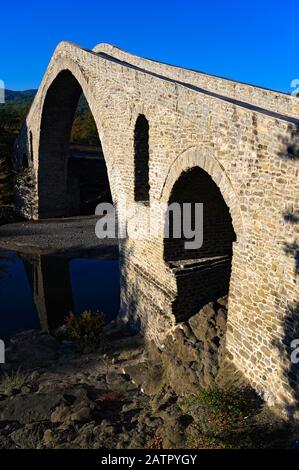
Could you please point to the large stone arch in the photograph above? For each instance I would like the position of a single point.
(60, 92)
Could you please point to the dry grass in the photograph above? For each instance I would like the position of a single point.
(11, 380)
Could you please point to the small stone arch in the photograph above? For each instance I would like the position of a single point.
(198, 157)
(203, 159)
(141, 159)
(31, 146)
(202, 274)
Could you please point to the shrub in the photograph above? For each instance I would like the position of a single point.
(11, 380)
(87, 328)
(198, 440)
(234, 404)
(220, 418)
(155, 443)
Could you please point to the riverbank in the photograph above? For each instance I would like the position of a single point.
(54, 394)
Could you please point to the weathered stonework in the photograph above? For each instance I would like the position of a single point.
(245, 138)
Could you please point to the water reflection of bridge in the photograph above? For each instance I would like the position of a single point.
(50, 281)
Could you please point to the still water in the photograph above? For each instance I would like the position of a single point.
(38, 291)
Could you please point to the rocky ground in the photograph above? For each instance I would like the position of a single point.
(63, 397)
(53, 394)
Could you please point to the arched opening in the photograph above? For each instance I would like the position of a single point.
(72, 181)
(203, 273)
(31, 145)
(141, 159)
(73, 176)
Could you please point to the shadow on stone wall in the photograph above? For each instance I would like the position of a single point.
(290, 143)
(290, 322)
(284, 347)
(25, 184)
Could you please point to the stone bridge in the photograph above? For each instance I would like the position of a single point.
(174, 135)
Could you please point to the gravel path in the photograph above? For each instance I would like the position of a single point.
(56, 236)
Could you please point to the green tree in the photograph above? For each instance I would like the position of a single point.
(5, 183)
(84, 130)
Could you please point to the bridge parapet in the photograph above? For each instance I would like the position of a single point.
(270, 100)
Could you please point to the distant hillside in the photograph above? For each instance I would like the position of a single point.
(15, 109)
(26, 97)
(17, 103)
(21, 100)
(12, 116)
(19, 96)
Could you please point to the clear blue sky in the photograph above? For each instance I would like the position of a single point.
(251, 41)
